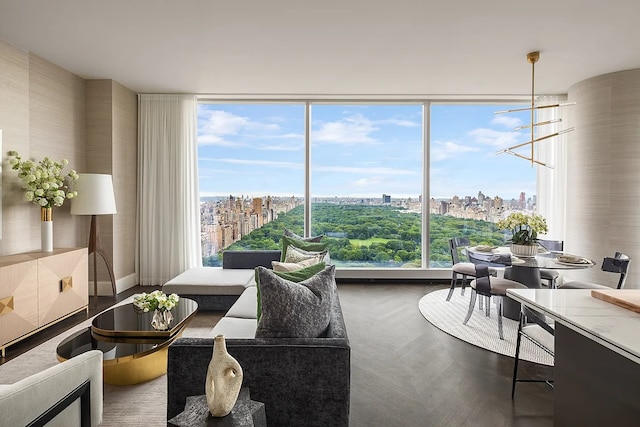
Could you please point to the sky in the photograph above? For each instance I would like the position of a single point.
(360, 150)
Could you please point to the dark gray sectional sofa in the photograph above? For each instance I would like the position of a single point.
(301, 381)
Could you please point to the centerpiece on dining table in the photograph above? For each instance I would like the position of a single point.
(524, 232)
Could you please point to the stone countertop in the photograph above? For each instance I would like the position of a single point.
(608, 324)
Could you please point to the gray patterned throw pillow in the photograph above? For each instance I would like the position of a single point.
(295, 310)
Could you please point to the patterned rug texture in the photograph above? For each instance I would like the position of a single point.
(480, 331)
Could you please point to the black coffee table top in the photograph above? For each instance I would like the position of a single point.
(126, 322)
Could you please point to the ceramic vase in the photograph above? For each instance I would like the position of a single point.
(224, 379)
(46, 229)
(161, 319)
(524, 250)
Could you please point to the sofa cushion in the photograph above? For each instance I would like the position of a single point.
(246, 306)
(295, 276)
(210, 281)
(293, 235)
(295, 265)
(298, 255)
(301, 244)
(234, 327)
(295, 310)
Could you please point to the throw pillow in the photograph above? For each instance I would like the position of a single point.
(293, 235)
(298, 255)
(294, 276)
(295, 310)
(294, 266)
(301, 244)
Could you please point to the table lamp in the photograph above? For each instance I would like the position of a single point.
(95, 197)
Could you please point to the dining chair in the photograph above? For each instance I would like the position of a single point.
(488, 287)
(550, 275)
(464, 269)
(619, 263)
(534, 327)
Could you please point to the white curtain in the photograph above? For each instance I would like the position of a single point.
(168, 237)
(552, 183)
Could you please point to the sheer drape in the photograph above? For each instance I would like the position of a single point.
(552, 183)
(168, 225)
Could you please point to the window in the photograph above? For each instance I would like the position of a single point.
(471, 186)
(366, 177)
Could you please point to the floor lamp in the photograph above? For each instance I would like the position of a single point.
(95, 197)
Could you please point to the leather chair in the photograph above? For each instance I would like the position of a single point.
(464, 269)
(551, 276)
(619, 263)
(490, 287)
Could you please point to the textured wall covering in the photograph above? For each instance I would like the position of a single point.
(111, 149)
(48, 111)
(42, 113)
(604, 173)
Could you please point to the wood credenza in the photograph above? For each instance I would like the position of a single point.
(38, 289)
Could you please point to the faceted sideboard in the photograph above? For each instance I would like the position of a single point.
(38, 289)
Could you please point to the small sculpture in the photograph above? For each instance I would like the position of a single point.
(224, 379)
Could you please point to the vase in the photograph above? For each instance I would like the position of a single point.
(224, 379)
(161, 320)
(524, 250)
(46, 229)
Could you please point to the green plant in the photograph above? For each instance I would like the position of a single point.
(44, 182)
(524, 228)
(156, 300)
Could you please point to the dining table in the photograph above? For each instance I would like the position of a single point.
(525, 270)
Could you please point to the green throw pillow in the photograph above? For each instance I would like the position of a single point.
(296, 310)
(293, 235)
(307, 246)
(293, 276)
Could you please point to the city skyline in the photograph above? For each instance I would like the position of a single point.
(359, 151)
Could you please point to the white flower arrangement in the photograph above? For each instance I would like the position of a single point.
(156, 300)
(524, 228)
(44, 182)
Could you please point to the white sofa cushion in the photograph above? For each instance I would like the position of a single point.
(210, 281)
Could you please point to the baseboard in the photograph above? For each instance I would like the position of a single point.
(122, 284)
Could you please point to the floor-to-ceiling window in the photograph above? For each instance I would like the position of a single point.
(369, 172)
(366, 182)
(471, 186)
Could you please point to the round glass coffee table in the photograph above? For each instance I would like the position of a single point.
(133, 351)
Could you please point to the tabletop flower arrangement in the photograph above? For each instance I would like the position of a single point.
(44, 182)
(156, 300)
(160, 303)
(524, 228)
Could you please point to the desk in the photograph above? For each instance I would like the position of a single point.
(523, 270)
(597, 356)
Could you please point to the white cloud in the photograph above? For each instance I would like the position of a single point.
(367, 171)
(495, 138)
(506, 121)
(445, 150)
(399, 122)
(281, 147)
(216, 125)
(354, 129)
(270, 163)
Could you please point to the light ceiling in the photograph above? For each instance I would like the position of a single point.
(329, 47)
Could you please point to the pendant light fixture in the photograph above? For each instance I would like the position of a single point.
(530, 155)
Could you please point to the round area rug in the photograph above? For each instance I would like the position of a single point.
(480, 330)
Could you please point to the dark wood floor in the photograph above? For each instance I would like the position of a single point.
(406, 372)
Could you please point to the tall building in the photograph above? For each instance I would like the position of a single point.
(386, 199)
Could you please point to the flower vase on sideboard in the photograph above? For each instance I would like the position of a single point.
(46, 229)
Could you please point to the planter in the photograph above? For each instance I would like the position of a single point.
(524, 250)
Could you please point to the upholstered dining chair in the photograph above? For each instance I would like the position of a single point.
(551, 276)
(464, 269)
(490, 287)
(619, 263)
(533, 327)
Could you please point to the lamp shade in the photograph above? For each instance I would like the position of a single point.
(95, 195)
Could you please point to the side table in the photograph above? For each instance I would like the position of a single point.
(245, 413)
